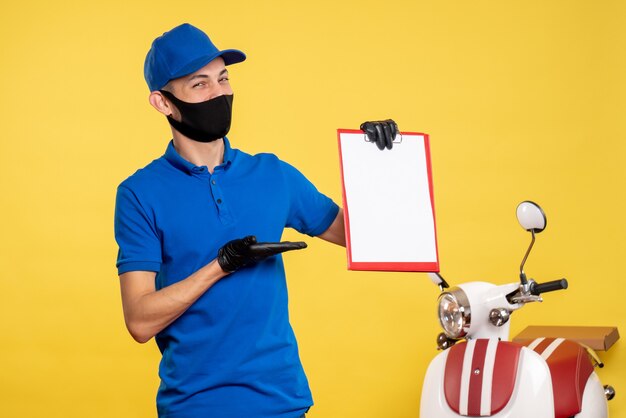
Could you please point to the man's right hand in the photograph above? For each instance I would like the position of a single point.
(148, 311)
(238, 253)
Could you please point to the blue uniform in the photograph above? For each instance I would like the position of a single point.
(233, 353)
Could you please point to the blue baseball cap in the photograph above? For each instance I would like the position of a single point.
(182, 51)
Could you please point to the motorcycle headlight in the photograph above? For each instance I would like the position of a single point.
(454, 312)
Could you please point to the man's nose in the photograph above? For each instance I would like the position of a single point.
(219, 90)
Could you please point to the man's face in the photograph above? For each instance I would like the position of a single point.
(208, 82)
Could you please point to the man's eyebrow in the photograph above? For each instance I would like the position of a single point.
(224, 71)
(193, 77)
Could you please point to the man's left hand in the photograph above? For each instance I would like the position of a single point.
(382, 132)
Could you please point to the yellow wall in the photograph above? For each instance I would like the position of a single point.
(522, 99)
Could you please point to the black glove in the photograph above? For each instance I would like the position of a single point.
(382, 132)
(240, 252)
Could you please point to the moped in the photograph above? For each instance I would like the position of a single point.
(480, 373)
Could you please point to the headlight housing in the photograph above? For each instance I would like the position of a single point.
(454, 312)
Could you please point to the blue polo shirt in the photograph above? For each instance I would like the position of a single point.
(233, 353)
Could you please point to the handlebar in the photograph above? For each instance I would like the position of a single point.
(536, 288)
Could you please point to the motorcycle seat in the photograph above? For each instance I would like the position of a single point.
(570, 368)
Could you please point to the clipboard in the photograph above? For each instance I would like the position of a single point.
(388, 202)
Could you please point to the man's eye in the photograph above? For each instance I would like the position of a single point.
(197, 85)
(224, 79)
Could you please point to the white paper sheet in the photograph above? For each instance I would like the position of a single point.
(388, 204)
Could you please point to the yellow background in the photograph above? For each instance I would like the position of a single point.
(522, 99)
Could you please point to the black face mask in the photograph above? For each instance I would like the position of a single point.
(204, 121)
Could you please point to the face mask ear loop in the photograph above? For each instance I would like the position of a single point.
(172, 102)
(172, 99)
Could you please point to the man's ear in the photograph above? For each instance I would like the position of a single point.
(160, 103)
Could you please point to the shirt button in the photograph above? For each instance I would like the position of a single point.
(213, 182)
(219, 201)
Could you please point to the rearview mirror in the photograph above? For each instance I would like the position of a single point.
(531, 217)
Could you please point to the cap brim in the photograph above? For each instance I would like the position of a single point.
(230, 56)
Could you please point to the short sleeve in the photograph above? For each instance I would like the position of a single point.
(310, 212)
(136, 235)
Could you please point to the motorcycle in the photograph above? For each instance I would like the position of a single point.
(481, 373)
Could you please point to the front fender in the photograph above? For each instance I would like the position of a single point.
(531, 396)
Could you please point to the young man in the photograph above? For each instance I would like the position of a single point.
(192, 273)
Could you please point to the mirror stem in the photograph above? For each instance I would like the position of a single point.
(522, 275)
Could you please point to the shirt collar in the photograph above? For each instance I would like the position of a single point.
(174, 158)
(228, 152)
